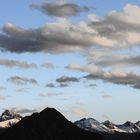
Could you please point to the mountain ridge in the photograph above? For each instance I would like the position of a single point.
(49, 124)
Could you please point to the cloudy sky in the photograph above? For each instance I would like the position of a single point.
(81, 57)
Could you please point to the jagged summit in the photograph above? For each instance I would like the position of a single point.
(8, 114)
(138, 123)
(128, 123)
(109, 124)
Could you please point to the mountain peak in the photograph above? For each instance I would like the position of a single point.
(138, 123)
(9, 114)
(48, 124)
(128, 123)
(109, 124)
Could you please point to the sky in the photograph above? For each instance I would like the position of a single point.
(80, 57)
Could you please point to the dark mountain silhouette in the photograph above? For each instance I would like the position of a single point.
(47, 125)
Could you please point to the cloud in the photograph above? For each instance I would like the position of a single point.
(106, 96)
(15, 63)
(51, 85)
(123, 27)
(50, 94)
(90, 68)
(2, 88)
(23, 111)
(63, 85)
(60, 9)
(121, 62)
(22, 80)
(116, 76)
(48, 65)
(23, 90)
(79, 111)
(65, 79)
(116, 30)
(57, 37)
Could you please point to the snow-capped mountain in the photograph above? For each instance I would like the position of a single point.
(7, 115)
(129, 127)
(138, 123)
(9, 118)
(93, 125)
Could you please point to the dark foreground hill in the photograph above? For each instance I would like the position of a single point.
(47, 125)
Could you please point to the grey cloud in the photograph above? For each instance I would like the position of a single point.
(130, 79)
(122, 62)
(63, 85)
(48, 65)
(50, 94)
(114, 76)
(51, 85)
(64, 36)
(60, 10)
(52, 38)
(65, 79)
(23, 110)
(15, 63)
(22, 80)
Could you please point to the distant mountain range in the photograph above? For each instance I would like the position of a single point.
(49, 124)
(93, 125)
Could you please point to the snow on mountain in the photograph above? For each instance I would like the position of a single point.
(112, 126)
(92, 125)
(9, 118)
(7, 115)
(138, 123)
(8, 123)
(129, 127)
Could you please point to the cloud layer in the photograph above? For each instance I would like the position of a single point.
(100, 39)
(114, 76)
(116, 30)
